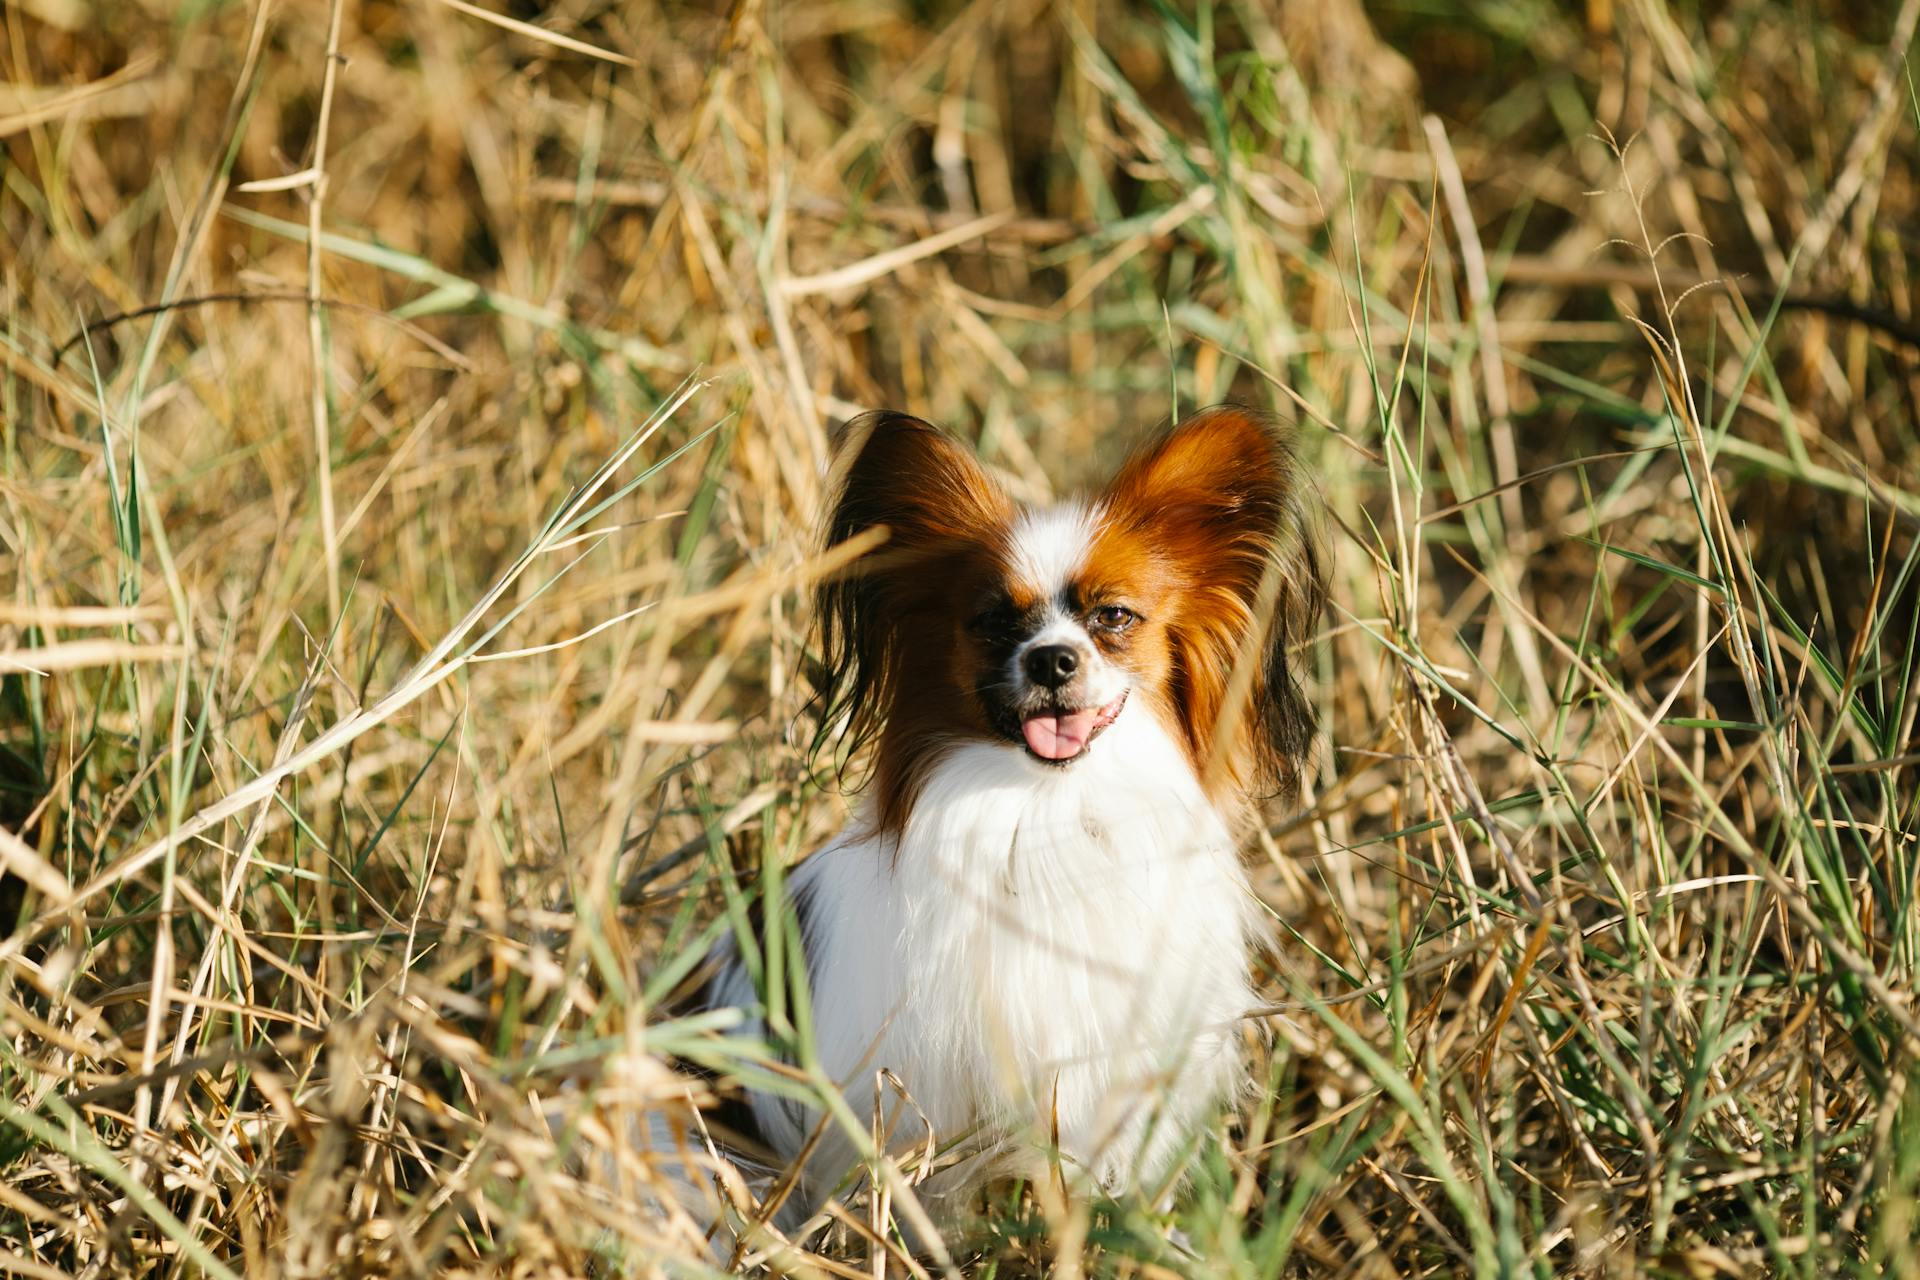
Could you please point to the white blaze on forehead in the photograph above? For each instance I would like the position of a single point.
(1047, 549)
(1049, 546)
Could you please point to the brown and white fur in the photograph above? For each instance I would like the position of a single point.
(1038, 921)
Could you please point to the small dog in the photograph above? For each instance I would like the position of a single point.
(1038, 922)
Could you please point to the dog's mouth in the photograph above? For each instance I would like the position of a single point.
(1061, 737)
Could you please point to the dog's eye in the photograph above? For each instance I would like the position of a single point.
(995, 619)
(1114, 617)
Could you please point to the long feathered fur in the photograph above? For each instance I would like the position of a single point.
(1048, 949)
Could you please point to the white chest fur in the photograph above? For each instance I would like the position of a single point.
(1041, 945)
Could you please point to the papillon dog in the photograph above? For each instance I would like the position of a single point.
(1034, 942)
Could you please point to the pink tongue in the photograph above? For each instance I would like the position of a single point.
(1059, 737)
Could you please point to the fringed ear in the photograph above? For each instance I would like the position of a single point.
(1219, 496)
(1283, 716)
(935, 501)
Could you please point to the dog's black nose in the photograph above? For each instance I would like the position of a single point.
(1052, 665)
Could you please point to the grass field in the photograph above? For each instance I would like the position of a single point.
(412, 422)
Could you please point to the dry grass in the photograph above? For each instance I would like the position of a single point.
(328, 936)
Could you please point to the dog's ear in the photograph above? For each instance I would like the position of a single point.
(1221, 498)
(935, 501)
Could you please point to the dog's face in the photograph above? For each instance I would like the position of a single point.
(1040, 627)
(1067, 630)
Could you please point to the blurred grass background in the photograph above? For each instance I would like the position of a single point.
(412, 419)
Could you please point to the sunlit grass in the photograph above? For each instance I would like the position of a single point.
(363, 810)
